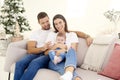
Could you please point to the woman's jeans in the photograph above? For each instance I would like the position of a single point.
(27, 67)
(71, 60)
(52, 54)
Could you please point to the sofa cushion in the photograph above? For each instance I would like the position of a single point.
(112, 69)
(104, 39)
(90, 75)
(46, 74)
(97, 52)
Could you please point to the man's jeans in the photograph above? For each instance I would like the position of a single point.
(27, 67)
(71, 60)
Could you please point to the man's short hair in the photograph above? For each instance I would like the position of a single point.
(41, 15)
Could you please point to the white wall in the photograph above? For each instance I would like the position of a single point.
(92, 22)
(1, 2)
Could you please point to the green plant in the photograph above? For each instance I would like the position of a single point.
(12, 11)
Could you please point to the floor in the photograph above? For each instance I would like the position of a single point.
(3, 74)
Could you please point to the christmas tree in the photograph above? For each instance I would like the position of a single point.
(12, 11)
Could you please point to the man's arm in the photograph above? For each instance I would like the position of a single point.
(32, 49)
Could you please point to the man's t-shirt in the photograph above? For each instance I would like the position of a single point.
(40, 36)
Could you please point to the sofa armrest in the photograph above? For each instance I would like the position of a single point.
(19, 44)
(15, 51)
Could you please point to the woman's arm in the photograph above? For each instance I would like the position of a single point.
(81, 34)
(62, 46)
(87, 37)
(74, 46)
(58, 52)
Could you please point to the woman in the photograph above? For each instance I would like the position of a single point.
(60, 25)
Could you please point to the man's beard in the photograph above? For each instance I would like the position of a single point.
(47, 28)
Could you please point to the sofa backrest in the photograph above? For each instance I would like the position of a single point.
(81, 51)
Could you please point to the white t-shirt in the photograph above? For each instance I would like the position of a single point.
(40, 36)
(71, 37)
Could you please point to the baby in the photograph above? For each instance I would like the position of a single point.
(58, 50)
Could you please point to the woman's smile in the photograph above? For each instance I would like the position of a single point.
(59, 24)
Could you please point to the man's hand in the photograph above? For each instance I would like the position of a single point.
(48, 45)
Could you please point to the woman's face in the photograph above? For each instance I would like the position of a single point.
(60, 25)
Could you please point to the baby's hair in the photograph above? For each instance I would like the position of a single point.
(61, 35)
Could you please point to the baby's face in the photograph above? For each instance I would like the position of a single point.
(60, 40)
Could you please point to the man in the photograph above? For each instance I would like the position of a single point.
(27, 67)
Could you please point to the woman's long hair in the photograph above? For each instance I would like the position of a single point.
(59, 16)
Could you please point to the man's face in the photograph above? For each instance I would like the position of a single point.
(44, 22)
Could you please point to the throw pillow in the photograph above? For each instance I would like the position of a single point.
(97, 52)
(112, 69)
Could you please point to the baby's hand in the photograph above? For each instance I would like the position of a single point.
(49, 44)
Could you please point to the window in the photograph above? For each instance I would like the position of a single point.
(115, 4)
(76, 8)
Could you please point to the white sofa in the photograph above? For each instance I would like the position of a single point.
(16, 50)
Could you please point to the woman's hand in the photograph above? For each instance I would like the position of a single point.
(89, 41)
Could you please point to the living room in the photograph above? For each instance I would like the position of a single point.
(87, 16)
